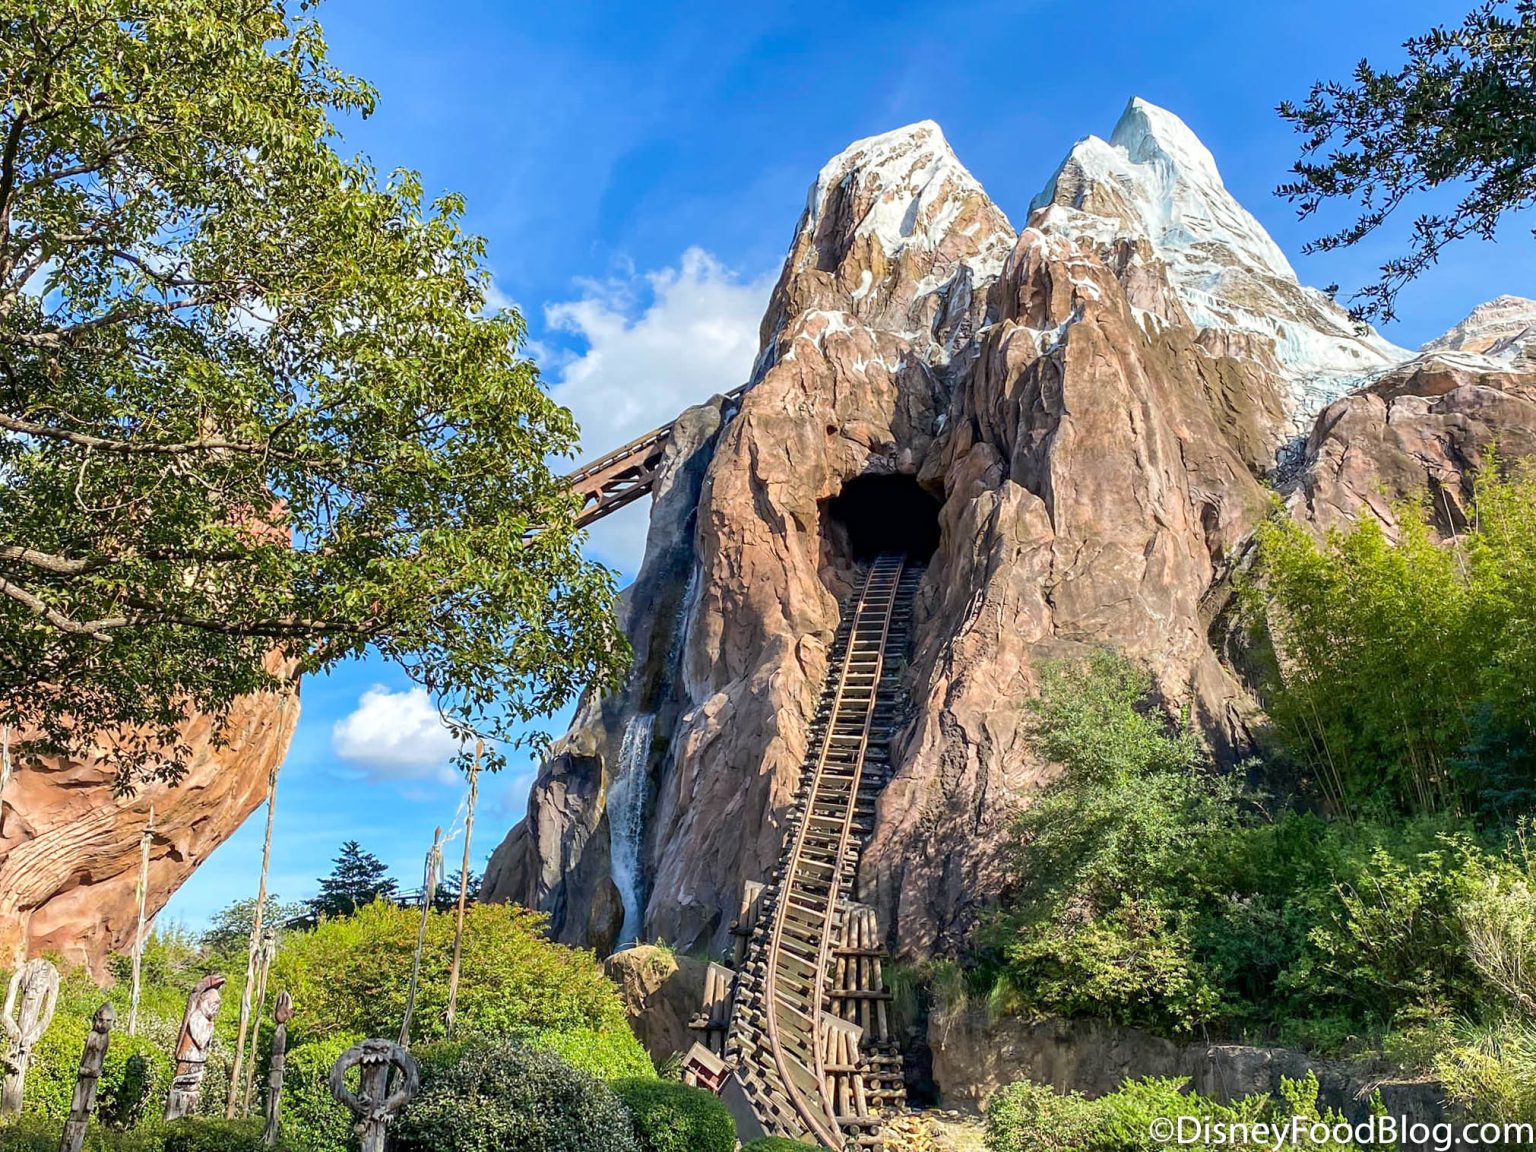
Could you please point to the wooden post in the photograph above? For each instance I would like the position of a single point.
(142, 892)
(84, 1098)
(251, 957)
(282, 1013)
(458, 925)
(192, 1047)
(5, 768)
(375, 1105)
(263, 970)
(434, 869)
(36, 985)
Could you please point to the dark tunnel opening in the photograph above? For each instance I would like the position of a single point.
(885, 514)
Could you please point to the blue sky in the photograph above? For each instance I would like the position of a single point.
(638, 172)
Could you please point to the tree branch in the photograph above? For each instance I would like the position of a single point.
(126, 448)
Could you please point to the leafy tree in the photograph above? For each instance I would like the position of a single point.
(350, 975)
(229, 933)
(255, 414)
(357, 880)
(1458, 113)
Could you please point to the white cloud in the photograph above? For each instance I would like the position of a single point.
(396, 736)
(694, 336)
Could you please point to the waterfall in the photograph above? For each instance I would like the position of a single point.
(627, 794)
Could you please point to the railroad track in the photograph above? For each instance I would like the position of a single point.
(802, 1035)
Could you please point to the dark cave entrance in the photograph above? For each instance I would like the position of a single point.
(887, 513)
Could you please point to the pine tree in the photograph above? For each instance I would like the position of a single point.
(447, 895)
(358, 878)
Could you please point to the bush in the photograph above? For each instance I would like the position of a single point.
(350, 976)
(40, 1134)
(672, 1117)
(773, 1144)
(1152, 893)
(502, 1095)
(201, 1134)
(135, 1076)
(612, 1054)
(312, 1121)
(1027, 1117)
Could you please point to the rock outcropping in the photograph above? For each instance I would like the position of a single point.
(70, 848)
(1092, 409)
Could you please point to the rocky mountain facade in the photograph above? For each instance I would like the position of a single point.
(70, 847)
(1095, 411)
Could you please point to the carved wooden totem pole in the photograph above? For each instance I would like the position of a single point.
(192, 1047)
(29, 1006)
(84, 1099)
(374, 1105)
(282, 1013)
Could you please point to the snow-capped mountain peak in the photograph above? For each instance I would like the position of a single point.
(1154, 180)
(911, 186)
(1148, 133)
(1502, 328)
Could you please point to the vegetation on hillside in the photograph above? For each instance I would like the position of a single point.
(1382, 897)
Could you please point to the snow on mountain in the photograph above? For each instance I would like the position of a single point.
(1154, 180)
(1502, 330)
(912, 190)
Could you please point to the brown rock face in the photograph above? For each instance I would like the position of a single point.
(1091, 462)
(1422, 428)
(69, 848)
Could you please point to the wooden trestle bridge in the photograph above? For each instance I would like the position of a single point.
(801, 1031)
(624, 475)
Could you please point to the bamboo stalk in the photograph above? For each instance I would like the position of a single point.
(263, 970)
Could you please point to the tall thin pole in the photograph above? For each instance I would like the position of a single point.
(5, 768)
(434, 869)
(263, 970)
(458, 926)
(252, 953)
(145, 841)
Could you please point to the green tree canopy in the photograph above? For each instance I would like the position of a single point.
(255, 416)
(1457, 114)
(357, 880)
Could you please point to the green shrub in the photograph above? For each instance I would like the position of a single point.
(135, 1076)
(773, 1144)
(36, 1133)
(502, 1095)
(1028, 1117)
(610, 1054)
(350, 976)
(672, 1117)
(202, 1134)
(1152, 893)
(312, 1121)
